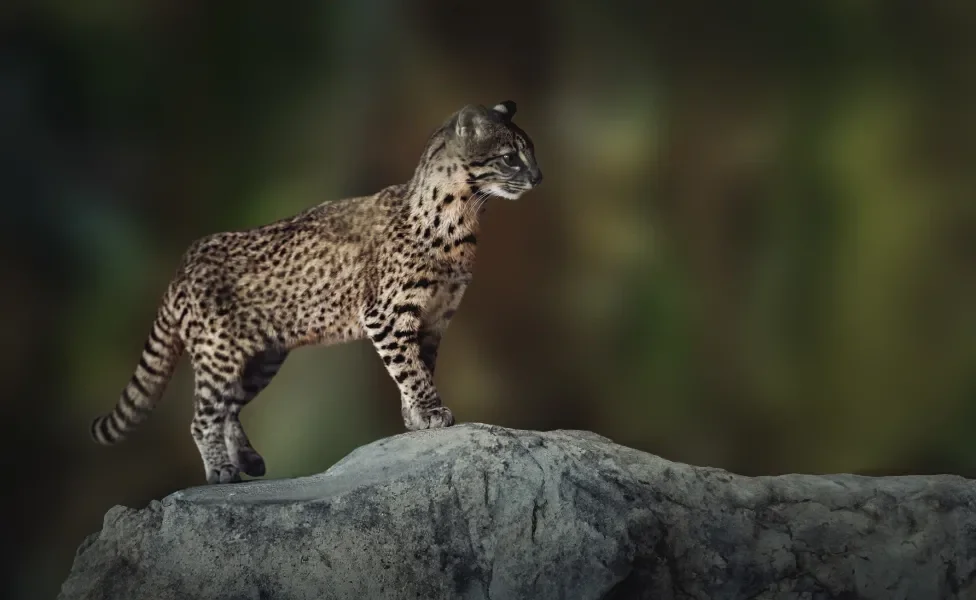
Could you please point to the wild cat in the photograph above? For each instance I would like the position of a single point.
(391, 267)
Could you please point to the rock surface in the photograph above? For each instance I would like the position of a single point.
(483, 512)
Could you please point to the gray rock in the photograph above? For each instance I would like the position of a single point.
(475, 511)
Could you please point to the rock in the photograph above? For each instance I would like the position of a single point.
(483, 512)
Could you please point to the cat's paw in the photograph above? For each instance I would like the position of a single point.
(223, 474)
(249, 462)
(430, 418)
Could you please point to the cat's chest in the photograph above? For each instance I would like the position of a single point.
(453, 257)
(444, 296)
(453, 268)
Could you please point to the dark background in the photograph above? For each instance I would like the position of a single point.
(755, 247)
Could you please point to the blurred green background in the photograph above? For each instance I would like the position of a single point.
(755, 247)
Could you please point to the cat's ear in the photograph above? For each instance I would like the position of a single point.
(470, 121)
(506, 109)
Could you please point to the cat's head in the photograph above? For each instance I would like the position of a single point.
(494, 153)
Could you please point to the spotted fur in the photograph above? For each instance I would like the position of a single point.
(391, 267)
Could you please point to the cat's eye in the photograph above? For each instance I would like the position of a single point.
(511, 159)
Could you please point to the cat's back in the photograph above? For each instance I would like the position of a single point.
(310, 234)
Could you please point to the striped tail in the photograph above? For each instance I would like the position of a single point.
(140, 395)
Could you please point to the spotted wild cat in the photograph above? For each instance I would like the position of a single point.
(391, 267)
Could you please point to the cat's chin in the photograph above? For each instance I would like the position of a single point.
(497, 192)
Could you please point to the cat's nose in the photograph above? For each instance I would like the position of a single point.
(535, 176)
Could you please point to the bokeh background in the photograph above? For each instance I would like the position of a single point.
(755, 247)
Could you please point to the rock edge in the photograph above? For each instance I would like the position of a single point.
(483, 512)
